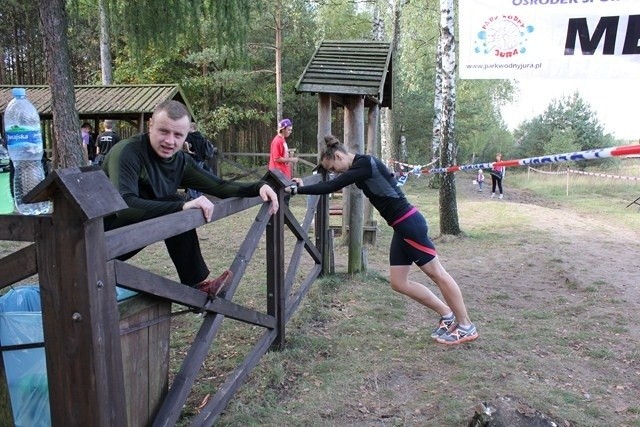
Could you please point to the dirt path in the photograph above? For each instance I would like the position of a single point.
(593, 250)
(570, 281)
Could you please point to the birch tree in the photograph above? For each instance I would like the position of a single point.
(449, 223)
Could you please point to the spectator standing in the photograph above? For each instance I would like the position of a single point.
(105, 141)
(497, 174)
(279, 153)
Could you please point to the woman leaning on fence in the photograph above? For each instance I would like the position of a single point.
(410, 243)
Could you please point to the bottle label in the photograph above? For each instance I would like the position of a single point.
(21, 138)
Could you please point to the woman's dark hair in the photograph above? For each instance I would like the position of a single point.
(333, 145)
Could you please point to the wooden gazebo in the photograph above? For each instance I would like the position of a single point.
(131, 103)
(353, 75)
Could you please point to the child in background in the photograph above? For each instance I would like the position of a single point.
(480, 179)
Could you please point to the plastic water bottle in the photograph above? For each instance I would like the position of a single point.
(6, 200)
(24, 142)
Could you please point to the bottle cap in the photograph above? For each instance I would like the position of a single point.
(18, 91)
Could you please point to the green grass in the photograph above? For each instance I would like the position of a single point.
(358, 353)
(526, 351)
(588, 194)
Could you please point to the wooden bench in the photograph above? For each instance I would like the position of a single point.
(335, 209)
(369, 232)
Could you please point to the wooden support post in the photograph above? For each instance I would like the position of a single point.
(79, 306)
(322, 218)
(354, 140)
(276, 298)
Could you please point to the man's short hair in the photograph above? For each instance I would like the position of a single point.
(109, 124)
(174, 109)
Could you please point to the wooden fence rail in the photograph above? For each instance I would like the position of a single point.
(75, 260)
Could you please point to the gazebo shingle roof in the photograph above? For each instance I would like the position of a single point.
(350, 68)
(113, 101)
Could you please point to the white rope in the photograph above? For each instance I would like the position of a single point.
(548, 172)
(605, 175)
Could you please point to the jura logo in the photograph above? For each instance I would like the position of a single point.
(607, 28)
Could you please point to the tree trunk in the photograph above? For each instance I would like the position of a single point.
(279, 101)
(387, 147)
(372, 150)
(436, 135)
(448, 147)
(105, 44)
(388, 143)
(67, 144)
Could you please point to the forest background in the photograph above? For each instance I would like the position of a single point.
(222, 53)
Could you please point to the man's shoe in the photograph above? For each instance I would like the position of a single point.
(445, 325)
(217, 286)
(458, 335)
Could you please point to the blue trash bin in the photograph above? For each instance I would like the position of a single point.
(26, 368)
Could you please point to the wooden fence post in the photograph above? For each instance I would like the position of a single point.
(276, 297)
(79, 307)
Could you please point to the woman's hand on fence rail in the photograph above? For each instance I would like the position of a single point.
(268, 195)
(291, 189)
(202, 203)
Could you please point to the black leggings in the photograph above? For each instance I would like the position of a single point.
(494, 181)
(184, 250)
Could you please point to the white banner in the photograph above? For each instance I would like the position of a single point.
(516, 39)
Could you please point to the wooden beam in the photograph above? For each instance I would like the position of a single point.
(354, 140)
(21, 228)
(18, 265)
(137, 279)
(274, 247)
(218, 402)
(294, 300)
(131, 237)
(183, 382)
(80, 321)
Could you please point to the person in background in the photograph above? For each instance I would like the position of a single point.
(480, 179)
(279, 153)
(201, 149)
(105, 141)
(410, 243)
(147, 170)
(497, 174)
(88, 142)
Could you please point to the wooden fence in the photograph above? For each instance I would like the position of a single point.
(88, 359)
